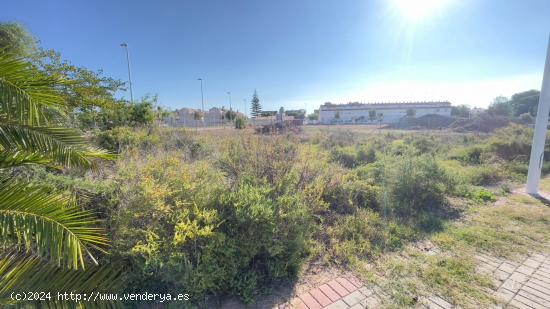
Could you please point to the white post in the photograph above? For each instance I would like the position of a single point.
(539, 138)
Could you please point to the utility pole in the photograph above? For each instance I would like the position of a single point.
(541, 126)
(125, 46)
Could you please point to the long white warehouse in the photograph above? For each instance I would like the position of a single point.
(330, 113)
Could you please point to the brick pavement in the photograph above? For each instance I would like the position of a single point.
(340, 293)
(523, 285)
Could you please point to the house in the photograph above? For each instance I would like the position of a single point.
(189, 117)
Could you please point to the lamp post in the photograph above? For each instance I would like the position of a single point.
(202, 100)
(202, 95)
(245, 108)
(125, 46)
(230, 109)
(229, 94)
(541, 126)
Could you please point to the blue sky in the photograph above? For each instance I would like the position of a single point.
(301, 53)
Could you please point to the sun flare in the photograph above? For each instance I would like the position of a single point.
(417, 10)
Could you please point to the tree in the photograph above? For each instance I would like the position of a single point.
(525, 102)
(121, 113)
(337, 116)
(86, 92)
(500, 107)
(230, 115)
(46, 241)
(411, 113)
(297, 114)
(198, 115)
(314, 116)
(142, 113)
(380, 117)
(520, 103)
(256, 107)
(16, 40)
(461, 111)
(372, 115)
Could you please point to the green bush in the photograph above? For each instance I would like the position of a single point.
(512, 143)
(416, 184)
(424, 145)
(259, 159)
(366, 156)
(346, 156)
(240, 123)
(183, 226)
(347, 193)
(484, 196)
(151, 139)
(351, 157)
(470, 155)
(484, 175)
(365, 235)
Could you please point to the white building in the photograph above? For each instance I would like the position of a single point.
(330, 113)
(189, 117)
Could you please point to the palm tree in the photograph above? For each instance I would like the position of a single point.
(46, 240)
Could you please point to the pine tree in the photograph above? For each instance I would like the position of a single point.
(256, 107)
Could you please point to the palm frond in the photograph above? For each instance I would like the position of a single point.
(21, 144)
(26, 95)
(18, 158)
(45, 223)
(23, 273)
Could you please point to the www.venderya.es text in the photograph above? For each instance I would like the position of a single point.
(98, 297)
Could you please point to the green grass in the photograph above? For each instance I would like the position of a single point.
(510, 230)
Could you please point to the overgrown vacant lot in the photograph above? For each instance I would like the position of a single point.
(217, 213)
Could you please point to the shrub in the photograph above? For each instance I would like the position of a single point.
(470, 155)
(526, 118)
(364, 236)
(484, 175)
(240, 123)
(425, 145)
(351, 157)
(346, 193)
(258, 159)
(362, 193)
(347, 156)
(182, 228)
(512, 143)
(147, 139)
(484, 196)
(416, 184)
(366, 156)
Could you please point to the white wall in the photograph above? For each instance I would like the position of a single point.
(390, 115)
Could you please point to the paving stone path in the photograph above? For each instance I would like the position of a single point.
(524, 285)
(520, 285)
(340, 293)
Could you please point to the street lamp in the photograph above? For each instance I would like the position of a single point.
(202, 95)
(231, 116)
(125, 46)
(229, 94)
(202, 101)
(245, 107)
